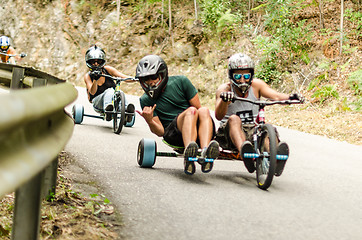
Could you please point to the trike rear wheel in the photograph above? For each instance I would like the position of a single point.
(266, 163)
(146, 154)
(119, 115)
(78, 113)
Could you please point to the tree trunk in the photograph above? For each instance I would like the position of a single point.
(321, 20)
(170, 21)
(195, 3)
(118, 9)
(342, 14)
(162, 12)
(249, 10)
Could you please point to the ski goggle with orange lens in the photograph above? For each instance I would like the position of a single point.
(4, 47)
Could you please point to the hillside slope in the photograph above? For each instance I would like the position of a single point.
(55, 35)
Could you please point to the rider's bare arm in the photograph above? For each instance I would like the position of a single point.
(153, 122)
(114, 72)
(221, 107)
(195, 101)
(264, 90)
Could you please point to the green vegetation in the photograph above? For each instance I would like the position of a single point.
(326, 92)
(355, 82)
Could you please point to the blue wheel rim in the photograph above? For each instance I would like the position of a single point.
(131, 123)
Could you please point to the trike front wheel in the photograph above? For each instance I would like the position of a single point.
(119, 115)
(266, 163)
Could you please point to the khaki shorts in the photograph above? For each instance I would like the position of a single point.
(223, 137)
(224, 140)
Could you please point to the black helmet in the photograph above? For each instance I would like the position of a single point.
(240, 61)
(95, 53)
(152, 66)
(4, 43)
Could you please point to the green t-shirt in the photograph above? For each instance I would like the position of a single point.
(173, 101)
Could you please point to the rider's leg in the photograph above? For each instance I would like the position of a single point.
(206, 127)
(283, 149)
(107, 98)
(98, 103)
(238, 138)
(236, 133)
(186, 123)
(210, 148)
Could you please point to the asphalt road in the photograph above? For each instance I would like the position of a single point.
(319, 195)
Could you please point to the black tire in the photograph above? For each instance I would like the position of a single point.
(146, 154)
(78, 113)
(266, 164)
(119, 115)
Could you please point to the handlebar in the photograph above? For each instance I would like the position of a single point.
(116, 78)
(267, 103)
(22, 55)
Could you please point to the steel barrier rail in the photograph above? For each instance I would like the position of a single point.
(30, 74)
(34, 128)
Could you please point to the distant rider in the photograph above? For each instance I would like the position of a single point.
(237, 118)
(100, 89)
(6, 49)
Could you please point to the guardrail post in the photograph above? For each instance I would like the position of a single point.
(38, 82)
(51, 171)
(26, 219)
(17, 78)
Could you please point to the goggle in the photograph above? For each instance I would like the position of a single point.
(4, 47)
(94, 61)
(150, 77)
(238, 76)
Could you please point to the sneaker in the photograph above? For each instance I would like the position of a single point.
(283, 149)
(211, 152)
(247, 147)
(190, 151)
(107, 111)
(130, 109)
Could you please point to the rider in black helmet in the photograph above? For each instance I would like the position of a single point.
(172, 109)
(237, 118)
(101, 89)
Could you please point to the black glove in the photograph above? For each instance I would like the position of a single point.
(227, 96)
(296, 96)
(22, 55)
(96, 74)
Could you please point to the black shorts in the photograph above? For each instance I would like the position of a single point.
(173, 135)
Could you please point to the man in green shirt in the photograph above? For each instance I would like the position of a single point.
(172, 110)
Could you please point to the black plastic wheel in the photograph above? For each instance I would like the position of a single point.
(78, 113)
(119, 115)
(266, 163)
(146, 154)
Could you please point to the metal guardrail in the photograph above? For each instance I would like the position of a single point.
(34, 128)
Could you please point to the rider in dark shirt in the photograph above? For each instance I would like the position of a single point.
(172, 110)
(100, 89)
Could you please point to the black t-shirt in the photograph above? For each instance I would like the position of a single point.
(108, 83)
